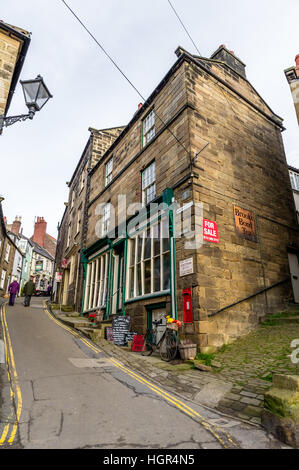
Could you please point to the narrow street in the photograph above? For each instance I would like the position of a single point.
(62, 392)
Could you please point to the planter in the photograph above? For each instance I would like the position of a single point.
(188, 351)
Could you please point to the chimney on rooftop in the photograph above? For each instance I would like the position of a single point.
(40, 228)
(16, 225)
(224, 55)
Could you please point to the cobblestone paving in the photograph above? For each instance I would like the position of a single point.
(240, 377)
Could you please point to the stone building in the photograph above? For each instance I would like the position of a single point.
(292, 75)
(42, 238)
(10, 256)
(73, 225)
(42, 267)
(204, 144)
(14, 43)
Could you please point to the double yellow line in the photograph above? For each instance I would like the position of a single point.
(222, 437)
(12, 422)
(70, 330)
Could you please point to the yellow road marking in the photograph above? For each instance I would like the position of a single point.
(182, 406)
(13, 381)
(77, 335)
(179, 404)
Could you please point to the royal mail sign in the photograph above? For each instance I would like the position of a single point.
(210, 231)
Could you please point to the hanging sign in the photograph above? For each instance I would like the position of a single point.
(58, 277)
(38, 266)
(210, 231)
(64, 263)
(245, 224)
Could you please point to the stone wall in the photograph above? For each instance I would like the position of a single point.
(9, 50)
(245, 166)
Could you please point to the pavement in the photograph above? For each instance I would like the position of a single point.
(70, 393)
(240, 374)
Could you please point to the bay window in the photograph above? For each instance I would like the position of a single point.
(148, 267)
(96, 283)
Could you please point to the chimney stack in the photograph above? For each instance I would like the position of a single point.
(40, 228)
(16, 225)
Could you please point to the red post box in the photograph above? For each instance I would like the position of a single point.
(187, 305)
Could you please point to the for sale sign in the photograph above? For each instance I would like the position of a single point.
(210, 231)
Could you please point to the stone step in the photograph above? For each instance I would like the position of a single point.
(75, 322)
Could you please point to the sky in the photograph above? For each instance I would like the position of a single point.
(38, 157)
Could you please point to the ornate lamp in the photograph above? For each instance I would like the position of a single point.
(36, 95)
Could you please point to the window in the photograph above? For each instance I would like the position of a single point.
(148, 128)
(294, 180)
(69, 235)
(108, 171)
(73, 199)
(79, 219)
(97, 283)
(149, 184)
(7, 253)
(106, 219)
(149, 261)
(82, 180)
(2, 280)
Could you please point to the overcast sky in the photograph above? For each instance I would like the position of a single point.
(39, 156)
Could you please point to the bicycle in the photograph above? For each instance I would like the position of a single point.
(167, 344)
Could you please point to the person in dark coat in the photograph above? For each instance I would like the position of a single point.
(29, 289)
(13, 290)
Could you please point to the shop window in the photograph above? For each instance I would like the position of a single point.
(97, 283)
(149, 261)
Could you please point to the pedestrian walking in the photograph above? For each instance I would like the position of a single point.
(13, 289)
(29, 289)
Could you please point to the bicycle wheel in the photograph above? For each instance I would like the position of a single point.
(169, 346)
(147, 348)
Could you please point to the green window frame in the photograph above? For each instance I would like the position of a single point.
(148, 261)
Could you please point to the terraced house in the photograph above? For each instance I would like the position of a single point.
(205, 143)
(73, 224)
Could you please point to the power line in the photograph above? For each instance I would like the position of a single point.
(119, 69)
(177, 15)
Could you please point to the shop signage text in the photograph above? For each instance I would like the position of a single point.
(210, 231)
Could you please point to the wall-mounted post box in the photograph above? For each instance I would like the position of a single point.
(187, 305)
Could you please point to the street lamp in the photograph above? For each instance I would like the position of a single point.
(36, 95)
